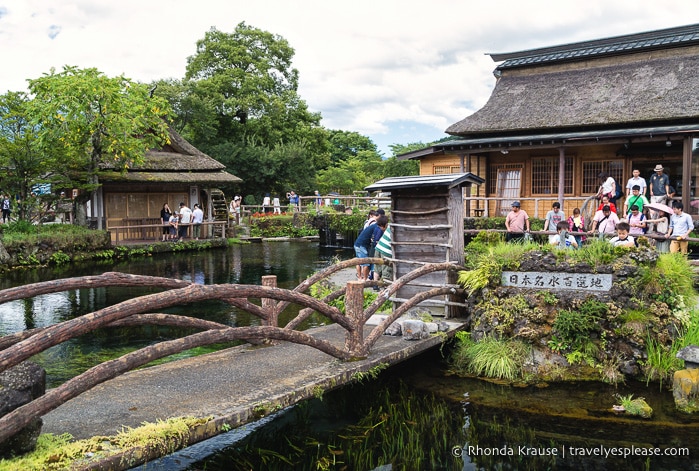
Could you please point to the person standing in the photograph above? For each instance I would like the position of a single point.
(637, 179)
(385, 252)
(277, 205)
(562, 239)
(553, 217)
(605, 222)
(607, 188)
(516, 222)
(636, 199)
(266, 204)
(637, 222)
(185, 221)
(174, 222)
(681, 224)
(197, 220)
(318, 200)
(165, 214)
(576, 223)
(6, 209)
(293, 200)
(363, 244)
(659, 186)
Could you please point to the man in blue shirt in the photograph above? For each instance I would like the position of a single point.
(681, 224)
(365, 242)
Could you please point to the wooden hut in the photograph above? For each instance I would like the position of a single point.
(177, 172)
(427, 222)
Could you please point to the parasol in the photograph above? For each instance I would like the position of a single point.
(659, 207)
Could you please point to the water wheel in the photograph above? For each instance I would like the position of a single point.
(588, 210)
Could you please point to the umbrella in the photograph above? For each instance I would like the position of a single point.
(659, 207)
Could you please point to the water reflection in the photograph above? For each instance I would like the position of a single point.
(291, 262)
(416, 417)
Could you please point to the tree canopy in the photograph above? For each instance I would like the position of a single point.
(94, 121)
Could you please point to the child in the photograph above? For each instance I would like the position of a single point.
(563, 240)
(622, 239)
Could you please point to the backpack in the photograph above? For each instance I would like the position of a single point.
(618, 193)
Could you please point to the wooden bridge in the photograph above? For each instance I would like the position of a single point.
(282, 374)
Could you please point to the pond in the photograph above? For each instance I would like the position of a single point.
(414, 416)
(242, 264)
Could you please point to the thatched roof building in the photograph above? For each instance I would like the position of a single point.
(636, 80)
(559, 116)
(176, 162)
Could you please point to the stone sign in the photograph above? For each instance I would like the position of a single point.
(556, 280)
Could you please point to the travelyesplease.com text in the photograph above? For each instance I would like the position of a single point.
(600, 450)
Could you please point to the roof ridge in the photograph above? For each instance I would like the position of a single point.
(625, 44)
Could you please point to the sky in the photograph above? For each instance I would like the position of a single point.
(397, 71)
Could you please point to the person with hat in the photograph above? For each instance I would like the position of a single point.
(659, 186)
(516, 222)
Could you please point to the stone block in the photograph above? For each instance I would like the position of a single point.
(685, 390)
(20, 385)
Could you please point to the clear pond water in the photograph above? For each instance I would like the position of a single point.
(415, 416)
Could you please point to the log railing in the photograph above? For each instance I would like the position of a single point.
(15, 348)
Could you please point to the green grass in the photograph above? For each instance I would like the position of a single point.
(490, 357)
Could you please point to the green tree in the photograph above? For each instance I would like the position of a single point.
(93, 121)
(22, 162)
(347, 144)
(239, 103)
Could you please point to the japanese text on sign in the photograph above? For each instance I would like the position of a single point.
(554, 280)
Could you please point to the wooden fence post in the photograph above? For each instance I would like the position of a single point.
(354, 310)
(270, 305)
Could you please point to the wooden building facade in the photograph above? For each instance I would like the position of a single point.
(178, 172)
(558, 116)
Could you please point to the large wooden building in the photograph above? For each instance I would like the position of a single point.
(559, 116)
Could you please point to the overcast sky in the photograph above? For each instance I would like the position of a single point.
(396, 71)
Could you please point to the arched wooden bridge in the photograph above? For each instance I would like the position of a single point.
(18, 347)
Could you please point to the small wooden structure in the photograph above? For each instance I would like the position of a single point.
(427, 226)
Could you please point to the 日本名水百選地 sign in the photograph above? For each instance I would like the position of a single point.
(555, 280)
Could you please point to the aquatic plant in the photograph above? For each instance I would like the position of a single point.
(490, 357)
(635, 406)
(661, 361)
(594, 252)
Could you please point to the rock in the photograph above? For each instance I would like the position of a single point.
(685, 390)
(690, 355)
(415, 330)
(20, 385)
(393, 329)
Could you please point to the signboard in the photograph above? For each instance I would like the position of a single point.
(557, 280)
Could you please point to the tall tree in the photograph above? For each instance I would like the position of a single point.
(94, 121)
(24, 165)
(241, 90)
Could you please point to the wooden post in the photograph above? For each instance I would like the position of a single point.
(354, 310)
(269, 305)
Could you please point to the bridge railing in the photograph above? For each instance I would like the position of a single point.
(15, 348)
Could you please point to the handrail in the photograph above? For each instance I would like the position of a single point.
(145, 234)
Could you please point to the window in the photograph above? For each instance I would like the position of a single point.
(545, 175)
(444, 169)
(505, 182)
(495, 176)
(591, 171)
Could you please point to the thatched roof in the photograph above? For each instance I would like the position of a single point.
(542, 93)
(176, 162)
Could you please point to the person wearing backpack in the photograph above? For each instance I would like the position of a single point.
(635, 199)
(608, 187)
(637, 222)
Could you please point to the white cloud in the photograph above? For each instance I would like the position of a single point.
(365, 65)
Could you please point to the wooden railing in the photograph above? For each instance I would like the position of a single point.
(18, 347)
(154, 232)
